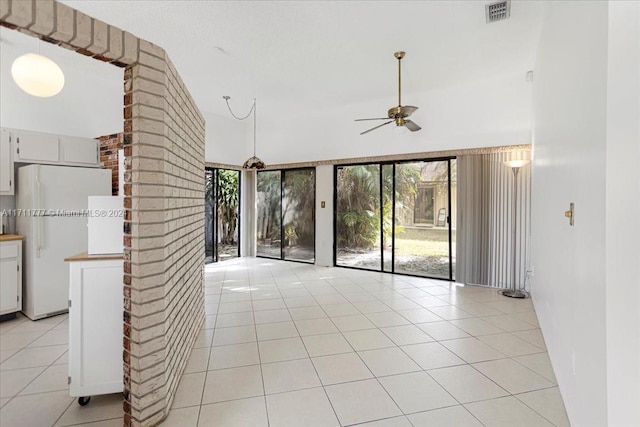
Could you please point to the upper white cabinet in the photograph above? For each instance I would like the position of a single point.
(6, 164)
(79, 151)
(37, 147)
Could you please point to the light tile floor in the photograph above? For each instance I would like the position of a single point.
(289, 344)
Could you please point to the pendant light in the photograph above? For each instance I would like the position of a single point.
(252, 162)
(37, 75)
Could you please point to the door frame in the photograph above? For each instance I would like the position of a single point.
(216, 180)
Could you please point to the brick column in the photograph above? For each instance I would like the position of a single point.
(163, 143)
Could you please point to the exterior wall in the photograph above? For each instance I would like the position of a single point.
(164, 138)
(109, 146)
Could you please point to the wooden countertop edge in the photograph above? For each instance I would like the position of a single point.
(10, 237)
(84, 256)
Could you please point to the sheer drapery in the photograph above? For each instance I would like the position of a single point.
(485, 214)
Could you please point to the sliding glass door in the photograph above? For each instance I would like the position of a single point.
(222, 214)
(286, 214)
(396, 217)
(209, 215)
(269, 207)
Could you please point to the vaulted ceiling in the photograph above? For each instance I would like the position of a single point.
(306, 55)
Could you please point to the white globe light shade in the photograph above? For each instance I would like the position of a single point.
(37, 75)
(399, 130)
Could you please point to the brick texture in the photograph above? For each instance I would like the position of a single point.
(163, 140)
(109, 146)
(165, 231)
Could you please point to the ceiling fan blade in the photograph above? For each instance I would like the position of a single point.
(412, 126)
(374, 128)
(379, 118)
(407, 110)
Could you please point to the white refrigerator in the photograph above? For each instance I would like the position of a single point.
(52, 204)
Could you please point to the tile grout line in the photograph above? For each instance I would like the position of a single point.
(314, 366)
(215, 322)
(255, 327)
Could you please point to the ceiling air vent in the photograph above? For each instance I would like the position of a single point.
(498, 11)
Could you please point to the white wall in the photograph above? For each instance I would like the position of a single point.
(486, 113)
(90, 104)
(228, 140)
(324, 216)
(569, 135)
(622, 213)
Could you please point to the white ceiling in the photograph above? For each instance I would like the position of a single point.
(307, 55)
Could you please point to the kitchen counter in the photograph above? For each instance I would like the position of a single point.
(10, 237)
(84, 256)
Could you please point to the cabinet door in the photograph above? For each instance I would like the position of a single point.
(79, 151)
(6, 163)
(95, 328)
(36, 147)
(8, 285)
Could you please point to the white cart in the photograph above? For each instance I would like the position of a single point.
(95, 325)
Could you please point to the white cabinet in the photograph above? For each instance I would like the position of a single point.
(6, 164)
(79, 151)
(44, 148)
(95, 325)
(10, 274)
(35, 147)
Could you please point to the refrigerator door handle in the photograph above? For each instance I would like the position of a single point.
(37, 210)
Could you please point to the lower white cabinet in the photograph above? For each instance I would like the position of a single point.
(95, 327)
(10, 276)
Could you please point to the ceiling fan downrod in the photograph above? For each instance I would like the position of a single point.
(399, 55)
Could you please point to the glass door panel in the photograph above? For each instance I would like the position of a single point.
(228, 214)
(357, 217)
(221, 214)
(269, 221)
(387, 203)
(298, 215)
(421, 245)
(209, 215)
(453, 197)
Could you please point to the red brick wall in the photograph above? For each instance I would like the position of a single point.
(109, 146)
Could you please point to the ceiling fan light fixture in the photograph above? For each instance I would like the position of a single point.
(37, 75)
(400, 130)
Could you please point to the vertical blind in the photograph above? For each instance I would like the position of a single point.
(484, 248)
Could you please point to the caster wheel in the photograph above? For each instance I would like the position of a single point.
(82, 401)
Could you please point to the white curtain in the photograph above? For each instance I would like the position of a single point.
(484, 246)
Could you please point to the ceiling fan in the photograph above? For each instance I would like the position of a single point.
(400, 113)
